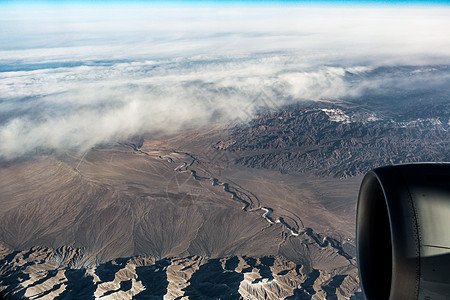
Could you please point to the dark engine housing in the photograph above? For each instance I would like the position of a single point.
(403, 232)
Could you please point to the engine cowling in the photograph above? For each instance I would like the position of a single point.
(403, 232)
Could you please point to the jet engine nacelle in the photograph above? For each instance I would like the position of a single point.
(403, 232)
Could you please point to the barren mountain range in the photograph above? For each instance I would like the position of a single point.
(336, 141)
(264, 210)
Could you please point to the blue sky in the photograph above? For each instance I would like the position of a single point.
(228, 2)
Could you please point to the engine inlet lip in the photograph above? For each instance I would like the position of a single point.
(388, 245)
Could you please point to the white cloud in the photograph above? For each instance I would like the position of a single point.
(73, 79)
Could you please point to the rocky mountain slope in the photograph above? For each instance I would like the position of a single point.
(336, 140)
(146, 198)
(45, 273)
(216, 212)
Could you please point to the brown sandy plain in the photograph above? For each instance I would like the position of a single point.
(168, 198)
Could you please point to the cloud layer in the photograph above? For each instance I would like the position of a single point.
(72, 78)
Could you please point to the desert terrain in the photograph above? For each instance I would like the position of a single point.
(193, 214)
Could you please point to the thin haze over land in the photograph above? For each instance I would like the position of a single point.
(74, 77)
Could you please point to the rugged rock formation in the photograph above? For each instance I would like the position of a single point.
(45, 273)
(335, 140)
(205, 214)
